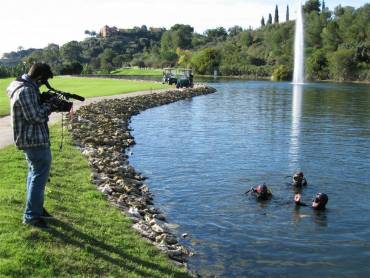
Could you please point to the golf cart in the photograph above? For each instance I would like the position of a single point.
(185, 79)
(169, 76)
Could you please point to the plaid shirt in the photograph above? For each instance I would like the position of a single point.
(29, 116)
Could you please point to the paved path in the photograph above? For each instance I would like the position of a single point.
(6, 131)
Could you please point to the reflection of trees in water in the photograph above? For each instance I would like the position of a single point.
(337, 102)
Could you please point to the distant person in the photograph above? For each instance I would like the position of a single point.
(31, 134)
(299, 179)
(191, 80)
(318, 202)
(261, 192)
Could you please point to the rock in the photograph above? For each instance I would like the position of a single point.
(148, 218)
(159, 238)
(102, 132)
(144, 188)
(134, 212)
(158, 229)
(170, 239)
(106, 189)
(159, 217)
(144, 230)
(184, 235)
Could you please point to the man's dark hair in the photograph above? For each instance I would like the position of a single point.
(40, 69)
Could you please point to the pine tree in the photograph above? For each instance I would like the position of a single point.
(323, 6)
(262, 22)
(276, 17)
(287, 13)
(269, 21)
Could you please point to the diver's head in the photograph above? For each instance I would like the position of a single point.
(298, 178)
(320, 201)
(263, 192)
(262, 189)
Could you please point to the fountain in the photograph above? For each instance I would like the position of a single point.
(298, 75)
(298, 80)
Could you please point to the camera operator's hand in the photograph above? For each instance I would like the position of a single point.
(53, 103)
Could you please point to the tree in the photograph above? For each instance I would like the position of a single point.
(206, 60)
(246, 38)
(313, 29)
(181, 36)
(330, 37)
(281, 73)
(317, 65)
(106, 60)
(168, 48)
(276, 17)
(312, 6)
(341, 64)
(51, 56)
(217, 34)
(235, 30)
(287, 13)
(71, 52)
(263, 22)
(86, 69)
(269, 21)
(184, 57)
(72, 68)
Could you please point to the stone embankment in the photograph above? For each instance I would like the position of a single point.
(102, 132)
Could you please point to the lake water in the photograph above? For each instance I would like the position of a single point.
(201, 155)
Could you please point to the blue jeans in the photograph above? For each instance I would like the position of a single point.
(39, 162)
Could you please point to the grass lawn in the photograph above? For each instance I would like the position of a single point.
(88, 237)
(4, 99)
(134, 71)
(87, 87)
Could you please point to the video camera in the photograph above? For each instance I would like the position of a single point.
(58, 100)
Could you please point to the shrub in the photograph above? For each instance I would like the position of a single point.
(280, 73)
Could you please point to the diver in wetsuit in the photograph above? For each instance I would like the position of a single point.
(318, 202)
(261, 192)
(299, 179)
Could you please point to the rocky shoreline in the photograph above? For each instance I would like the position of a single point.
(102, 132)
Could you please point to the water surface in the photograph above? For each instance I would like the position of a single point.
(201, 155)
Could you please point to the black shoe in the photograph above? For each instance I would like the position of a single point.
(45, 214)
(36, 222)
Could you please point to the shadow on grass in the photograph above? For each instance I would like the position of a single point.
(71, 236)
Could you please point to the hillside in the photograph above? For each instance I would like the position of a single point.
(337, 48)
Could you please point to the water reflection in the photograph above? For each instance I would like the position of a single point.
(294, 147)
(317, 217)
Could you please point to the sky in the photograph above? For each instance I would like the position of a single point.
(35, 24)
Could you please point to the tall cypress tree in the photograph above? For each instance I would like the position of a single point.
(287, 13)
(276, 17)
(262, 22)
(269, 21)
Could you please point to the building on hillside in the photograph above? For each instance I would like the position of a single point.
(107, 31)
(156, 30)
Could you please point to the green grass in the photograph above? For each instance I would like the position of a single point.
(88, 238)
(137, 71)
(87, 87)
(4, 99)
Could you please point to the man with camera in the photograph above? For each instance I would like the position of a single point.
(31, 134)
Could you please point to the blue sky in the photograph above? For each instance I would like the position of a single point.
(40, 22)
